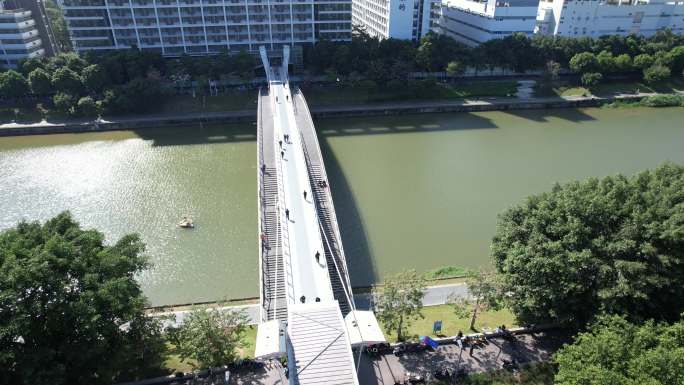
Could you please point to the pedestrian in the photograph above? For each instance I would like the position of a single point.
(318, 256)
(282, 154)
(280, 142)
(304, 194)
(471, 349)
(263, 168)
(287, 214)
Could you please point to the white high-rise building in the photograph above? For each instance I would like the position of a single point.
(474, 22)
(594, 18)
(399, 19)
(197, 27)
(19, 37)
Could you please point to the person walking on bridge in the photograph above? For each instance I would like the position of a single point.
(287, 214)
(304, 194)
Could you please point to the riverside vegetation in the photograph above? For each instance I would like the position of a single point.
(134, 81)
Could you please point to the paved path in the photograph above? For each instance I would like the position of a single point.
(246, 114)
(390, 369)
(434, 295)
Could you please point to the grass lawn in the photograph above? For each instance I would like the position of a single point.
(174, 364)
(446, 272)
(233, 101)
(451, 325)
(340, 95)
(607, 88)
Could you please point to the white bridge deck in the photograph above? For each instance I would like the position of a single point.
(305, 289)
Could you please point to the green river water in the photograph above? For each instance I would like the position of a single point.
(418, 191)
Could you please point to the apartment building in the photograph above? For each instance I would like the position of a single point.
(199, 27)
(399, 19)
(474, 22)
(595, 18)
(19, 37)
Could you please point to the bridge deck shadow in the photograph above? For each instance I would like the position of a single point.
(196, 133)
(403, 124)
(356, 246)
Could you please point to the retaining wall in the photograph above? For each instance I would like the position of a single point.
(318, 113)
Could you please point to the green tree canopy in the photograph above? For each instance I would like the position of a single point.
(67, 80)
(643, 61)
(13, 84)
(616, 352)
(584, 62)
(40, 82)
(63, 101)
(71, 311)
(591, 78)
(656, 73)
(94, 78)
(400, 300)
(210, 337)
(614, 245)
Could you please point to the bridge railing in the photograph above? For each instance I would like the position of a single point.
(337, 241)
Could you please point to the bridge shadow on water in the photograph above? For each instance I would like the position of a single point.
(197, 133)
(358, 248)
(574, 115)
(403, 124)
(354, 238)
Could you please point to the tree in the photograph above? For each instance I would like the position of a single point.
(552, 70)
(677, 55)
(591, 78)
(63, 101)
(94, 78)
(623, 63)
(643, 61)
(615, 351)
(584, 62)
(614, 245)
(13, 85)
(71, 309)
(40, 82)
(400, 301)
(656, 73)
(86, 106)
(485, 288)
(454, 68)
(66, 80)
(209, 337)
(606, 62)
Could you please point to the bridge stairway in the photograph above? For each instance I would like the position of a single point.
(273, 288)
(332, 250)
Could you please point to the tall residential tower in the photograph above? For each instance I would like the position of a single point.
(198, 27)
(399, 19)
(19, 37)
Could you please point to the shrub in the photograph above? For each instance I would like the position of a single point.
(591, 78)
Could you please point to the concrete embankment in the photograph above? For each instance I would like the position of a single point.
(400, 108)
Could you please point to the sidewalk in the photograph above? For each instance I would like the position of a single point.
(140, 121)
(434, 295)
(525, 348)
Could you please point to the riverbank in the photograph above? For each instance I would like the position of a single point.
(378, 109)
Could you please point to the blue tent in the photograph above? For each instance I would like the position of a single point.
(429, 342)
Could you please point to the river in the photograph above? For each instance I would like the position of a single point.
(418, 191)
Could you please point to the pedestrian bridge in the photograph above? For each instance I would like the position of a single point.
(307, 305)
